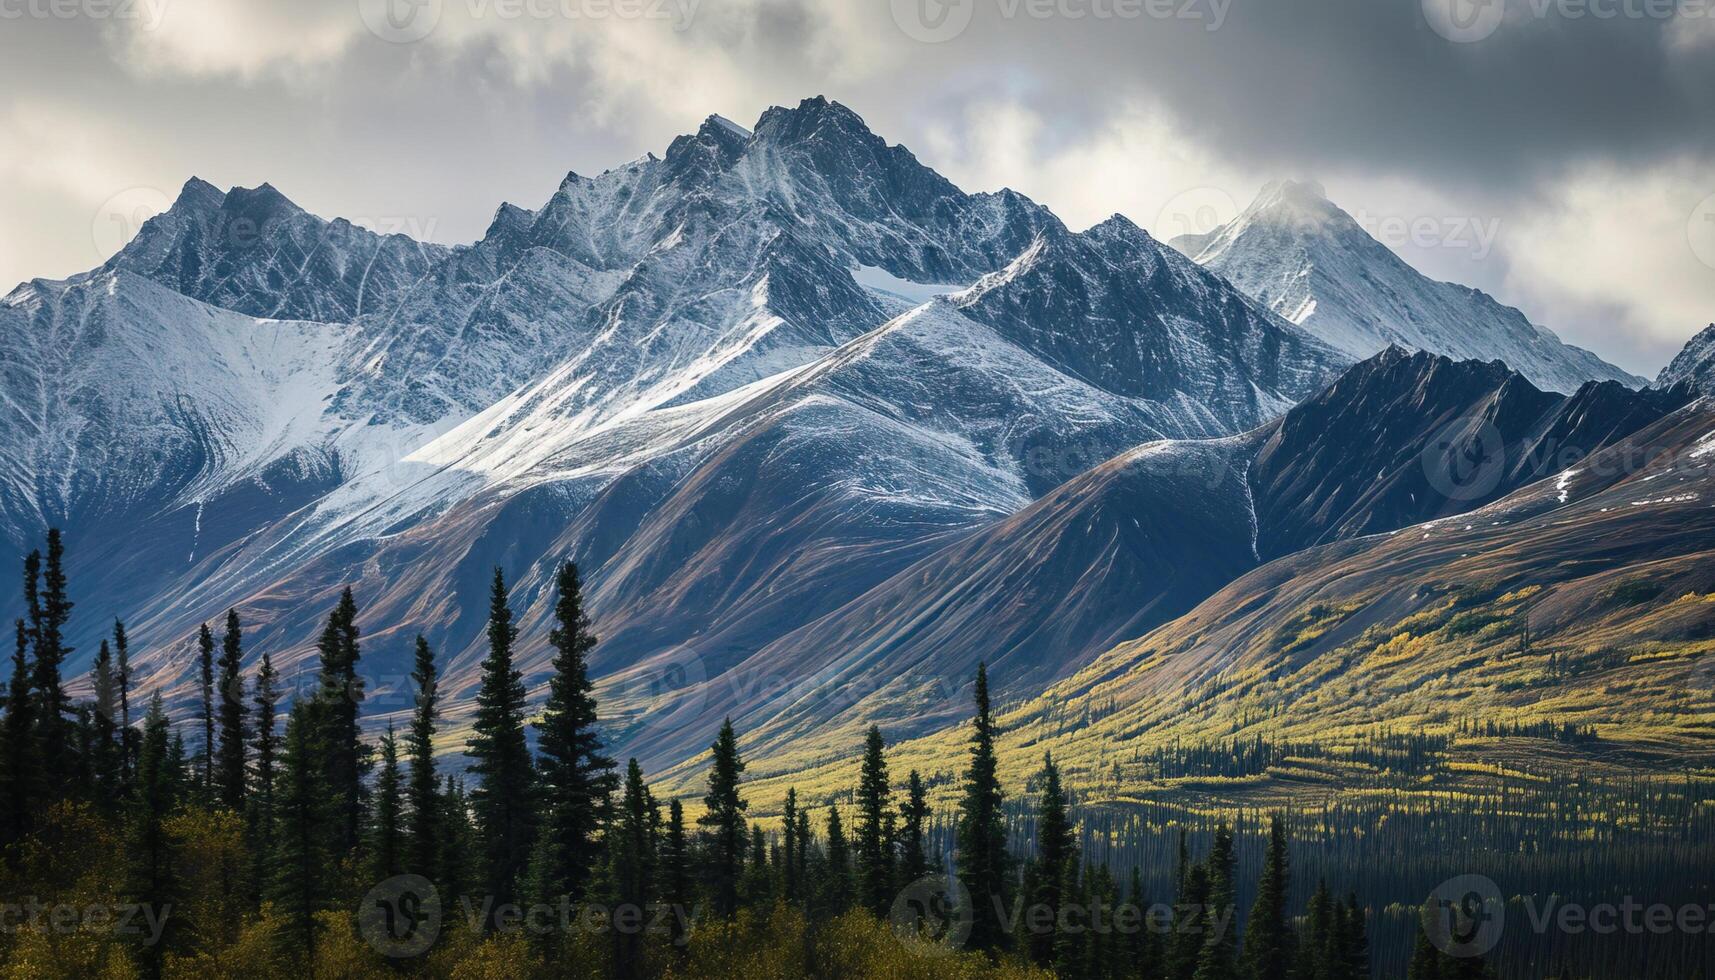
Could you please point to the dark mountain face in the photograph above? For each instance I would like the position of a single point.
(1695, 365)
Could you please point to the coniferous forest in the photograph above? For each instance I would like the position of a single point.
(242, 835)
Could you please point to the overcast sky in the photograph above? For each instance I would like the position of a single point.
(1555, 153)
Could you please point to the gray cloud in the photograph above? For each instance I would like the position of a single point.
(1556, 113)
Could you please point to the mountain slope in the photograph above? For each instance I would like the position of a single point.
(1694, 365)
(1141, 539)
(1312, 263)
(1578, 602)
(702, 375)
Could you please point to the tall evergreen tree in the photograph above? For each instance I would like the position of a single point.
(913, 830)
(53, 708)
(260, 802)
(205, 685)
(422, 796)
(576, 779)
(1269, 953)
(1141, 946)
(677, 880)
(1355, 937)
(874, 844)
(152, 877)
(387, 840)
(304, 812)
(633, 860)
(339, 701)
(724, 824)
(837, 888)
(107, 753)
(501, 758)
(229, 764)
(1191, 922)
(789, 880)
(19, 767)
(983, 859)
(1318, 941)
(1219, 958)
(1055, 846)
(462, 855)
(1068, 947)
(127, 739)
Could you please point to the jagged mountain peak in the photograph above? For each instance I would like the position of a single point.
(1314, 264)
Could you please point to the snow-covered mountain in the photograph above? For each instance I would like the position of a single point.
(740, 383)
(1694, 365)
(1312, 263)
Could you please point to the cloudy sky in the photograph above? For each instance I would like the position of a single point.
(1556, 153)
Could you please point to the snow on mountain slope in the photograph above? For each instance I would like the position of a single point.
(1694, 365)
(1313, 264)
(669, 372)
(254, 251)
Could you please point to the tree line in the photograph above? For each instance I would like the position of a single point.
(271, 838)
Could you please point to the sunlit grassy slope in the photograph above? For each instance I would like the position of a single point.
(1585, 601)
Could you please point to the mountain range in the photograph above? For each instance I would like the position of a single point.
(822, 429)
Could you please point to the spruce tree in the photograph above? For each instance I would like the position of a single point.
(422, 796)
(1141, 946)
(913, 830)
(229, 764)
(576, 779)
(152, 879)
(462, 855)
(874, 844)
(633, 872)
(1068, 947)
(127, 739)
(260, 802)
(1355, 959)
(106, 754)
(387, 843)
(339, 701)
(1320, 928)
(676, 875)
(1191, 925)
(723, 823)
(837, 888)
(1268, 953)
(500, 757)
(1425, 958)
(19, 767)
(1055, 846)
(1219, 957)
(305, 814)
(52, 707)
(789, 880)
(758, 886)
(983, 858)
(205, 685)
